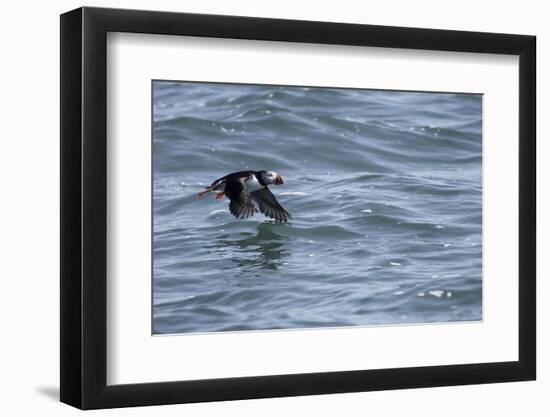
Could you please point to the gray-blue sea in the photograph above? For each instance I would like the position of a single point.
(385, 189)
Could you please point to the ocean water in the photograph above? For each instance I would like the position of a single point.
(385, 189)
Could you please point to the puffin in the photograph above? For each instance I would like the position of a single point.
(244, 188)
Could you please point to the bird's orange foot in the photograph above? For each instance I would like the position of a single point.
(219, 195)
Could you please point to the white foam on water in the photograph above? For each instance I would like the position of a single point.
(446, 245)
(293, 193)
(438, 226)
(436, 293)
(399, 293)
(395, 264)
(366, 211)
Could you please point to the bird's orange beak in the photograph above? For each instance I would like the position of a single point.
(279, 180)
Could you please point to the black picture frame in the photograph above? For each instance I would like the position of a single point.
(84, 207)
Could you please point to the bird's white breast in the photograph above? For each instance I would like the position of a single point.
(252, 184)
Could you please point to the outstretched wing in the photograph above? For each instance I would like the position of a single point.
(240, 205)
(269, 206)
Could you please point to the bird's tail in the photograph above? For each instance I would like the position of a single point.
(207, 190)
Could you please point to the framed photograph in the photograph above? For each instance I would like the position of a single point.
(257, 208)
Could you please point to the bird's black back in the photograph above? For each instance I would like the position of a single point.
(236, 176)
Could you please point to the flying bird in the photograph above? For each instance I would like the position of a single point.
(244, 188)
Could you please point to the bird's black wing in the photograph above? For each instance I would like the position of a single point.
(240, 205)
(269, 206)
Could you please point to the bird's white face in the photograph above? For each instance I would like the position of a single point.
(272, 177)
